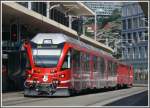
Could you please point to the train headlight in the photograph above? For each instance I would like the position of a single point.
(62, 76)
(29, 75)
(45, 78)
(57, 81)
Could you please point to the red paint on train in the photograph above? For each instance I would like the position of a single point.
(77, 68)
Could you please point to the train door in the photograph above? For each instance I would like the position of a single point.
(87, 69)
(114, 73)
(112, 81)
(95, 71)
(91, 71)
(105, 81)
(84, 65)
(76, 69)
(102, 68)
(109, 72)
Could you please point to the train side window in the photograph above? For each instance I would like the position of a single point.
(115, 68)
(66, 63)
(95, 64)
(27, 64)
(110, 68)
(88, 62)
(102, 65)
(83, 61)
(76, 61)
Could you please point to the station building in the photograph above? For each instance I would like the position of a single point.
(23, 20)
(135, 39)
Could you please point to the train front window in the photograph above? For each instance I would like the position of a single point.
(46, 57)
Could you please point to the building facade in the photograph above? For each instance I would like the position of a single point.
(103, 8)
(135, 39)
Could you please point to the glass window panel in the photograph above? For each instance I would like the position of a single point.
(129, 23)
(124, 24)
(135, 37)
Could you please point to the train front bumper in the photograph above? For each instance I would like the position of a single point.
(46, 90)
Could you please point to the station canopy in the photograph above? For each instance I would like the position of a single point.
(77, 8)
(35, 22)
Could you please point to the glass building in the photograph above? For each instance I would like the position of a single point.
(135, 39)
(103, 8)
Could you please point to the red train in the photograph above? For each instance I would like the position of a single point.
(59, 65)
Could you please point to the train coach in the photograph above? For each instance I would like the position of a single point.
(59, 65)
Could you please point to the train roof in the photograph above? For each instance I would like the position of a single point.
(57, 38)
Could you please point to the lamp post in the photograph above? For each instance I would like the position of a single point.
(95, 26)
(97, 10)
(85, 20)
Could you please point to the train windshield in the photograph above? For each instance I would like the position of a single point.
(46, 57)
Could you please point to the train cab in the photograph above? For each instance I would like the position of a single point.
(49, 65)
